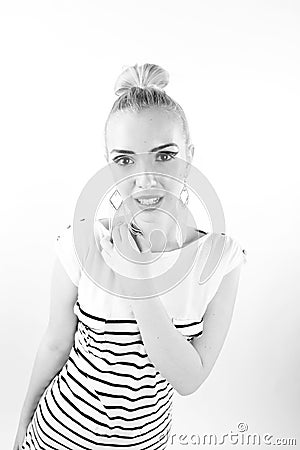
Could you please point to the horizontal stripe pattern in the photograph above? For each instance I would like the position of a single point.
(108, 394)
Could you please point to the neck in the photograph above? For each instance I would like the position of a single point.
(167, 236)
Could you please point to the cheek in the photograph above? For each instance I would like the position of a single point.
(173, 170)
(172, 187)
(124, 177)
(125, 189)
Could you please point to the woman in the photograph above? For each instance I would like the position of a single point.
(109, 362)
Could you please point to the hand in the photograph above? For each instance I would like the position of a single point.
(126, 259)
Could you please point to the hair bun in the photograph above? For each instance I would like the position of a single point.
(145, 76)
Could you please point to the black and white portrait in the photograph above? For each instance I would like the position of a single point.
(149, 225)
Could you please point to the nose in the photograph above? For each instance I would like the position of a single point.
(145, 180)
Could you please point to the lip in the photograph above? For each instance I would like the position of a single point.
(147, 196)
(154, 206)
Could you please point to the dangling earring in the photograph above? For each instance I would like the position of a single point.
(184, 195)
(116, 199)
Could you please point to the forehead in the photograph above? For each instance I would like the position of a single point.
(143, 130)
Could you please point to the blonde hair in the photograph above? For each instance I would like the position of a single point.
(141, 87)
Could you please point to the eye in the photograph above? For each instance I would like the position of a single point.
(166, 156)
(120, 158)
(170, 154)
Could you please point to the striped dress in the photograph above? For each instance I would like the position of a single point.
(108, 394)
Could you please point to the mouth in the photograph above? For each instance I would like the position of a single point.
(149, 203)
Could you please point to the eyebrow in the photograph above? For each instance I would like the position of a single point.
(155, 149)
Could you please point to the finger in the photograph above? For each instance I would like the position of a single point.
(128, 217)
(99, 232)
(126, 236)
(139, 240)
(133, 242)
(106, 257)
(106, 244)
(116, 236)
(127, 213)
(122, 230)
(101, 228)
(143, 243)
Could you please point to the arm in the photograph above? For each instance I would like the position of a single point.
(186, 365)
(56, 342)
(216, 323)
(169, 351)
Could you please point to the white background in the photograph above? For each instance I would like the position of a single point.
(234, 68)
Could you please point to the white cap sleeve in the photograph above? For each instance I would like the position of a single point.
(193, 295)
(236, 255)
(65, 250)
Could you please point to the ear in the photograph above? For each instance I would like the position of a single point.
(191, 149)
(190, 156)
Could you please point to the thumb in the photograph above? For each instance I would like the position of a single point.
(133, 243)
(143, 243)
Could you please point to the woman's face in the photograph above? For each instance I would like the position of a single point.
(132, 140)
